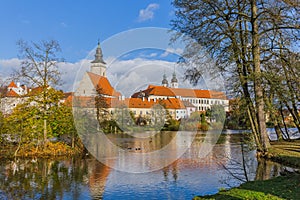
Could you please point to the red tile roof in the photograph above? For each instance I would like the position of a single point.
(12, 84)
(104, 85)
(81, 101)
(183, 92)
(12, 93)
(89, 102)
(172, 103)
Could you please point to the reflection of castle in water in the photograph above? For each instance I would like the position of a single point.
(98, 174)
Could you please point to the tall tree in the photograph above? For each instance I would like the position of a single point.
(240, 35)
(39, 68)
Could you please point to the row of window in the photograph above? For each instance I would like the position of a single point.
(202, 108)
(205, 101)
(180, 111)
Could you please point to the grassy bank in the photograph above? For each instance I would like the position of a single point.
(287, 153)
(283, 187)
(51, 149)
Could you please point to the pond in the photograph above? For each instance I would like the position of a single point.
(189, 175)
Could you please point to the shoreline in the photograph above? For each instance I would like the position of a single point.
(285, 186)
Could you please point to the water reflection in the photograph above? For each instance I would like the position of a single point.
(192, 174)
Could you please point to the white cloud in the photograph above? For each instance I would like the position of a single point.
(153, 55)
(168, 51)
(7, 66)
(127, 76)
(148, 13)
(130, 76)
(68, 71)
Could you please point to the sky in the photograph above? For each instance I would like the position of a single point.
(76, 25)
(133, 34)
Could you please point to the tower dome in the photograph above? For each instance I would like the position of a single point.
(164, 81)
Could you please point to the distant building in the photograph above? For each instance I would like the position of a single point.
(201, 99)
(179, 102)
(13, 95)
(96, 80)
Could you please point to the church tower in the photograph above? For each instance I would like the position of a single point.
(98, 65)
(174, 81)
(164, 81)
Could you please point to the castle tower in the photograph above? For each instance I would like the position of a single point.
(164, 81)
(174, 81)
(98, 65)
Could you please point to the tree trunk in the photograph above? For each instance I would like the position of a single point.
(258, 89)
(286, 131)
(45, 131)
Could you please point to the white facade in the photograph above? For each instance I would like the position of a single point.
(203, 104)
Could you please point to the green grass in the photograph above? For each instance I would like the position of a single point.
(285, 152)
(283, 187)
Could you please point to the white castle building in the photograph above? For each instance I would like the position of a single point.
(180, 102)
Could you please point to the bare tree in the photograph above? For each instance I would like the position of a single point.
(240, 35)
(39, 68)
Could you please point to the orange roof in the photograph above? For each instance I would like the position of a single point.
(12, 84)
(12, 93)
(89, 102)
(139, 103)
(183, 92)
(217, 95)
(67, 94)
(130, 103)
(81, 101)
(203, 94)
(172, 103)
(104, 85)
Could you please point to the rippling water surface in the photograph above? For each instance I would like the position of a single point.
(86, 178)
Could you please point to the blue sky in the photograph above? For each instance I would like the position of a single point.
(76, 25)
(135, 31)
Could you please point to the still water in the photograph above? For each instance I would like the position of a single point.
(87, 178)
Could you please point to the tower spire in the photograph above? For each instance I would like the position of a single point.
(174, 81)
(98, 55)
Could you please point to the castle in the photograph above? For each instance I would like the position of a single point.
(180, 102)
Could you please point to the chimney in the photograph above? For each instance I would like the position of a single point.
(154, 100)
(18, 84)
(143, 98)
